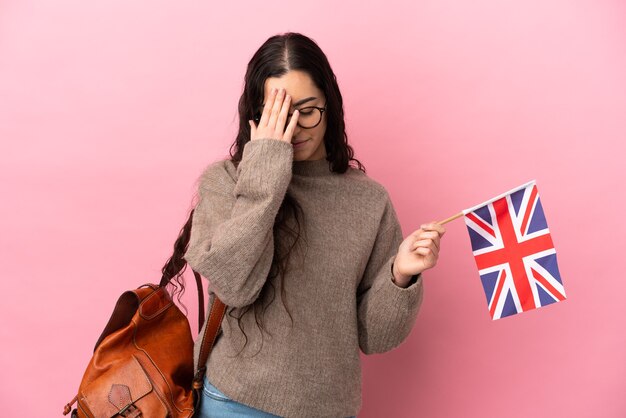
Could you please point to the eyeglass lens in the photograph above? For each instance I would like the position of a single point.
(309, 117)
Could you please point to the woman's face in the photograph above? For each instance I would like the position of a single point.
(304, 93)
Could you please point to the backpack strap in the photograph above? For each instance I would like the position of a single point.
(214, 322)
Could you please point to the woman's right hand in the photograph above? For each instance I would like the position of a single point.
(274, 117)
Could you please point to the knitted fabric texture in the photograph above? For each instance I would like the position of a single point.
(338, 286)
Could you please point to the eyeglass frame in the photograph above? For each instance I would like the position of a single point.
(257, 116)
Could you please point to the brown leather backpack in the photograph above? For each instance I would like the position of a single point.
(142, 364)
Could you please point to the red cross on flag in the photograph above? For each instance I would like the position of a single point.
(514, 253)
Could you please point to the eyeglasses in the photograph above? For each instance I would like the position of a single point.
(309, 117)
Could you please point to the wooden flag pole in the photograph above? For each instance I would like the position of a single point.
(451, 218)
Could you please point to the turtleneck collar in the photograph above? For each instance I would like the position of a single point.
(312, 167)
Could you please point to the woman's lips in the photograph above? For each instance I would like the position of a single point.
(299, 144)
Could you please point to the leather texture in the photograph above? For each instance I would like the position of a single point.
(142, 364)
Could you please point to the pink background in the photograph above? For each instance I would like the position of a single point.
(110, 110)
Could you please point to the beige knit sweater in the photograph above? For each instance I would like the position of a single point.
(341, 295)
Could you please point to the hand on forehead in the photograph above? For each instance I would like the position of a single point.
(299, 85)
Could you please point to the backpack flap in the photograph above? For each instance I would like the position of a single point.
(127, 390)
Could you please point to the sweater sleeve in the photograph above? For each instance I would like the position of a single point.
(386, 311)
(231, 241)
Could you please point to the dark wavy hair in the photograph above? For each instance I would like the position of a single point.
(278, 55)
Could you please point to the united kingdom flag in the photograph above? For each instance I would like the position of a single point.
(514, 252)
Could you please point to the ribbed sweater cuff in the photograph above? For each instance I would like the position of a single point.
(397, 309)
(406, 296)
(265, 168)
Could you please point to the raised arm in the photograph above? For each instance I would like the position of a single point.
(231, 241)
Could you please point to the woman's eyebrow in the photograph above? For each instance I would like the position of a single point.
(299, 102)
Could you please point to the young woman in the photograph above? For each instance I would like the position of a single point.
(287, 217)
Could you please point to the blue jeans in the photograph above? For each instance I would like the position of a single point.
(215, 404)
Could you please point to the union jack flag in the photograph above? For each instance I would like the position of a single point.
(514, 252)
